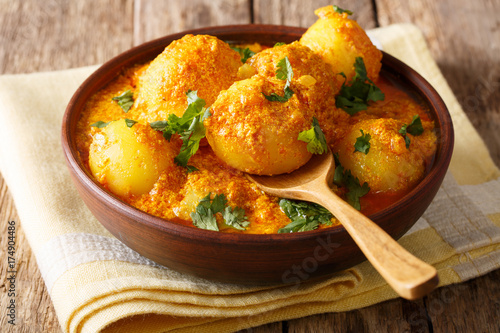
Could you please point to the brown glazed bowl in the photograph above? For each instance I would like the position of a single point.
(240, 258)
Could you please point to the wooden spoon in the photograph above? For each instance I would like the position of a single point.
(410, 277)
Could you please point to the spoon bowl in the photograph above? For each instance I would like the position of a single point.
(410, 277)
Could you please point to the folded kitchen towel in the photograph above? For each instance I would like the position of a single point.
(98, 284)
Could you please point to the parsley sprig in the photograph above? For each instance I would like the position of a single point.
(355, 190)
(355, 97)
(284, 73)
(190, 128)
(315, 138)
(414, 128)
(305, 216)
(204, 216)
(362, 143)
(125, 100)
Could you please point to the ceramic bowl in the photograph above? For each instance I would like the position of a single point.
(241, 258)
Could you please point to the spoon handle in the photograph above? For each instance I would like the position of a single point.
(409, 276)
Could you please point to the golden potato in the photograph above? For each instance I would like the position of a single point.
(314, 79)
(313, 82)
(202, 63)
(129, 160)
(255, 135)
(389, 165)
(339, 40)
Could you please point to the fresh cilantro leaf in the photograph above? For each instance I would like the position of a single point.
(130, 122)
(191, 168)
(414, 128)
(355, 97)
(362, 143)
(277, 98)
(315, 138)
(356, 190)
(244, 53)
(341, 11)
(345, 179)
(279, 44)
(190, 128)
(100, 124)
(191, 139)
(284, 72)
(204, 218)
(305, 216)
(235, 218)
(204, 215)
(125, 100)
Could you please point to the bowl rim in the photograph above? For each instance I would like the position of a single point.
(138, 54)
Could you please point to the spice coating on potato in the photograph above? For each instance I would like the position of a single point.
(202, 63)
(339, 40)
(255, 135)
(129, 160)
(389, 165)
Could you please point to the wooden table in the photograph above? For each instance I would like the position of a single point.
(464, 37)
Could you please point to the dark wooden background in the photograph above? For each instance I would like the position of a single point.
(464, 38)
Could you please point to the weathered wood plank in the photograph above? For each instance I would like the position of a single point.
(464, 38)
(301, 13)
(469, 307)
(59, 34)
(153, 19)
(33, 308)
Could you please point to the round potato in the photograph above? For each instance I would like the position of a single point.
(313, 82)
(339, 40)
(202, 63)
(255, 135)
(129, 160)
(389, 165)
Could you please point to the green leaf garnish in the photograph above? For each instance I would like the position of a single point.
(341, 11)
(355, 190)
(235, 218)
(130, 122)
(190, 127)
(244, 53)
(414, 128)
(279, 44)
(315, 138)
(284, 73)
(100, 124)
(204, 215)
(305, 216)
(362, 143)
(355, 97)
(125, 100)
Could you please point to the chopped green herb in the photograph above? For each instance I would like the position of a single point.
(125, 100)
(204, 215)
(100, 124)
(355, 97)
(284, 72)
(315, 138)
(414, 128)
(279, 44)
(190, 127)
(355, 190)
(341, 11)
(235, 218)
(244, 53)
(130, 122)
(362, 143)
(305, 216)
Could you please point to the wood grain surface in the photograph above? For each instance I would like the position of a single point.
(464, 38)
